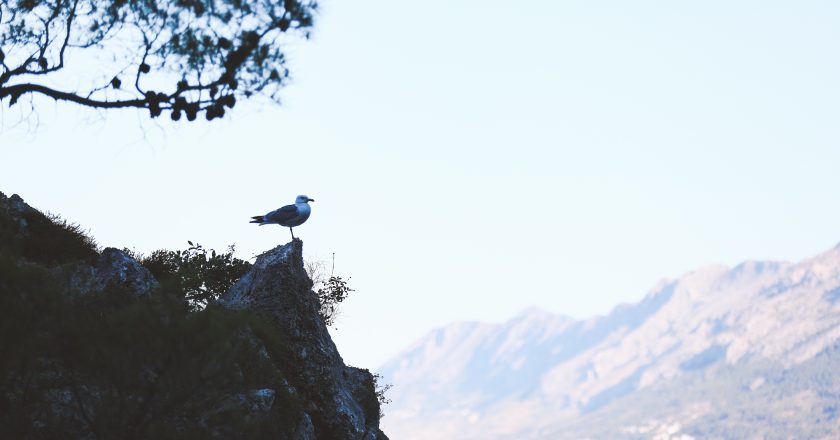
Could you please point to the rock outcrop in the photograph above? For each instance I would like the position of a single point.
(114, 268)
(341, 400)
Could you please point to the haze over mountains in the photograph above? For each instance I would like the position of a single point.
(751, 351)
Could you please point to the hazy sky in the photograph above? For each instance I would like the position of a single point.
(470, 159)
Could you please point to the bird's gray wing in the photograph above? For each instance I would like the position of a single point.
(281, 215)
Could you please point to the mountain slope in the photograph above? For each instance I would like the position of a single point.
(540, 375)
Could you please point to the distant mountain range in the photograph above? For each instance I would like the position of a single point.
(751, 351)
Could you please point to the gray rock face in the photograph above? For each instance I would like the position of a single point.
(16, 205)
(341, 400)
(113, 269)
(17, 209)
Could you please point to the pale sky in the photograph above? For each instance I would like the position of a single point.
(470, 159)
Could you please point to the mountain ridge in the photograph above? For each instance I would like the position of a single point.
(539, 369)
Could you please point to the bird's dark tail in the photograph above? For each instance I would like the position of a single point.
(257, 219)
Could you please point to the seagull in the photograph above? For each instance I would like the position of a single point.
(289, 215)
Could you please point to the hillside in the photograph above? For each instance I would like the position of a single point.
(93, 346)
(752, 350)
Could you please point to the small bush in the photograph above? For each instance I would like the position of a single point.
(380, 390)
(334, 291)
(331, 291)
(201, 274)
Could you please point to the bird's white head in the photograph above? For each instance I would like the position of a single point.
(303, 199)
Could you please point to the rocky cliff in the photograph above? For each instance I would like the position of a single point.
(340, 401)
(92, 346)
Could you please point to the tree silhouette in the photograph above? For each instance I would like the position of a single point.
(183, 57)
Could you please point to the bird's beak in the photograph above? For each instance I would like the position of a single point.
(310, 200)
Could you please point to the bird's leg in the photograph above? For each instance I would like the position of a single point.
(293, 232)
